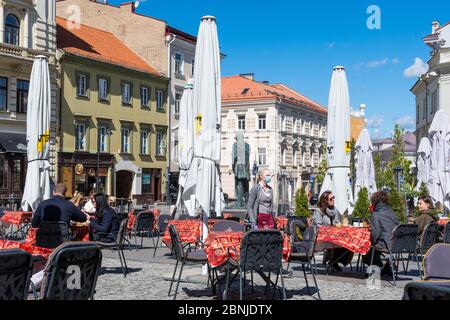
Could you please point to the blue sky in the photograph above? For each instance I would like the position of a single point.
(298, 43)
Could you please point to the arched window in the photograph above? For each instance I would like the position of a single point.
(12, 28)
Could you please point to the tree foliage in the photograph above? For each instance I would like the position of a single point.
(301, 203)
(423, 191)
(362, 205)
(397, 204)
(323, 167)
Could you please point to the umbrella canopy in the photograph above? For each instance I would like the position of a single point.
(424, 164)
(439, 134)
(186, 147)
(37, 183)
(365, 171)
(338, 137)
(207, 123)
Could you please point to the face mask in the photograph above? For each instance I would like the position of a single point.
(267, 180)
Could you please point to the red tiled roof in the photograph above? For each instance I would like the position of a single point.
(99, 45)
(233, 90)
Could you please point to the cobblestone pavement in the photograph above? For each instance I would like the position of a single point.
(149, 279)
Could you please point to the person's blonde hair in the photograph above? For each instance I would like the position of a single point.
(261, 174)
(77, 199)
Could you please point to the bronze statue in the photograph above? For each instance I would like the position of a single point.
(241, 169)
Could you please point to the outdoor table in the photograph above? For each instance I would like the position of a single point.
(354, 239)
(189, 231)
(282, 222)
(21, 219)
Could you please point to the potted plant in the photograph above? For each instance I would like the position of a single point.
(361, 213)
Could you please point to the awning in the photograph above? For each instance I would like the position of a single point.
(13, 142)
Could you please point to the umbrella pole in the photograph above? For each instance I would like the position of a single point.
(204, 237)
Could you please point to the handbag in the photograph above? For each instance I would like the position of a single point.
(265, 221)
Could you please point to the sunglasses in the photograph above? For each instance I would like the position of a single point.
(331, 198)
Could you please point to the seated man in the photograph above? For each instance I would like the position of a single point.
(67, 210)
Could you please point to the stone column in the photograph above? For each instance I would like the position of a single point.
(26, 28)
(2, 20)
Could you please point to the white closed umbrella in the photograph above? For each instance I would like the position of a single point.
(337, 178)
(365, 171)
(439, 134)
(204, 173)
(186, 148)
(37, 182)
(424, 164)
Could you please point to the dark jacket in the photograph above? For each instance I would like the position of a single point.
(382, 222)
(425, 218)
(57, 209)
(253, 202)
(105, 229)
(331, 218)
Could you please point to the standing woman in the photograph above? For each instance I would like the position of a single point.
(260, 201)
(105, 226)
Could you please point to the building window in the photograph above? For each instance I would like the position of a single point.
(12, 30)
(424, 114)
(144, 142)
(434, 102)
(175, 150)
(103, 141)
(294, 157)
(80, 137)
(241, 122)
(283, 123)
(283, 156)
(125, 140)
(262, 122)
(16, 177)
(178, 96)
(3, 94)
(303, 158)
(179, 63)
(146, 180)
(145, 96)
(160, 150)
(22, 95)
(103, 89)
(126, 93)
(82, 85)
(262, 156)
(3, 173)
(159, 100)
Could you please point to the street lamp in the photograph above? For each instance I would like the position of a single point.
(108, 133)
(398, 173)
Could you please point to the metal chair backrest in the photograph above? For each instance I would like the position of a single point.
(292, 219)
(227, 225)
(436, 262)
(51, 213)
(404, 238)
(144, 221)
(16, 266)
(183, 216)
(52, 234)
(262, 250)
(71, 272)
(446, 237)
(296, 229)
(419, 291)
(163, 221)
(137, 211)
(122, 234)
(308, 242)
(176, 242)
(429, 236)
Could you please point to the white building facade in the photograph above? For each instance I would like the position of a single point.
(285, 130)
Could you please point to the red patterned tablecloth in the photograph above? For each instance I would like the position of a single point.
(189, 231)
(218, 243)
(354, 239)
(282, 222)
(443, 221)
(132, 219)
(16, 217)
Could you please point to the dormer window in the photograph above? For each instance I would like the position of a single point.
(12, 30)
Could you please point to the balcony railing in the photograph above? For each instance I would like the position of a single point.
(21, 52)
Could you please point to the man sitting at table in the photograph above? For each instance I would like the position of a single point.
(67, 210)
(382, 223)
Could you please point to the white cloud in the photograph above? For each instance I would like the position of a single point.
(406, 122)
(417, 69)
(375, 122)
(395, 61)
(377, 63)
(331, 45)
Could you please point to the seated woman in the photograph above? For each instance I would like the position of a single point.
(426, 213)
(327, 215)
(105, 226)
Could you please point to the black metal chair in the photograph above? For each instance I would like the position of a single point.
(183, 216)
(183, 257)
(446, 235)
(143, 226)
(118, 244)
(227, 225)
(261, 251)
(163, 222)
(418, 291)
(429, 237)
(436, 262)
(404, 241)
(71, 272)
(16, 267)
(52, 234)
(303, 250)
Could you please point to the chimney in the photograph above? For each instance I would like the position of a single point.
(266, 82)
(129, 6)
(434, 26)
(250, 76)
(362, 110)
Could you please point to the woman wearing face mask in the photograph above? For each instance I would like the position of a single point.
(260, 202)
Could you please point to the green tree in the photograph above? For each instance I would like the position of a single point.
(383, 177)
(323, 167)
(396, 203)
(398, 158)
(301, 203)
(362, 205)
(423, 191)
